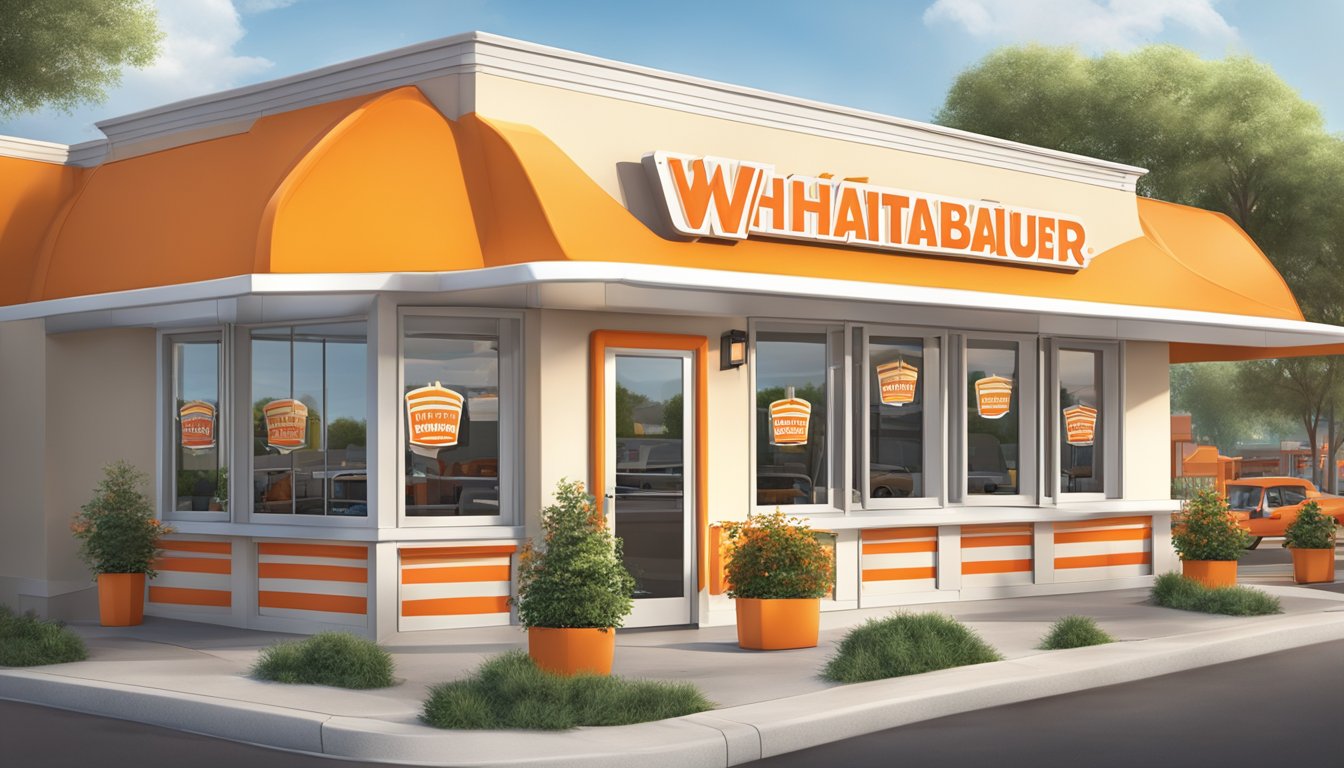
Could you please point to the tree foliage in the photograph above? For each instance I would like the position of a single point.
(63, 53)
(1223, 411)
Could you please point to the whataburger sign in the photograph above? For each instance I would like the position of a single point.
(737, 199)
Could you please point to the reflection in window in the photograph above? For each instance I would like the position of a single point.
(451, 413)
(791, 418)
(1081, 421)
(896, 379)
(200, 478)
(993, 417)
(309, 420)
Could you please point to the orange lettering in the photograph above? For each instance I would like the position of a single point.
(1071, 237)
(873, 208)
(1046, 226)
(1023, 234)
(955, 233)
(1000, 232)
(803, 205)
(705, 191)
(922, 231)
(849, 216)
(983, 241)
(895, 206)
(772, 200)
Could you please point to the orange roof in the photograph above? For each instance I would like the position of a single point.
(387, 184)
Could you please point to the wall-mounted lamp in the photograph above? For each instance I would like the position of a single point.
(732, 350)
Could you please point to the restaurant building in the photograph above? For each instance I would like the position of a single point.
(357, 323)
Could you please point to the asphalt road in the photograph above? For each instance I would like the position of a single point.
(1281, 709)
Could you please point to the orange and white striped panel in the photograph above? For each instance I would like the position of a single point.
(316, 582)
(996, 555)
(895, 560)
(195, 574)
(455, 586)
(1109, 548)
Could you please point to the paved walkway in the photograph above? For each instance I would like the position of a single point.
(194, 677)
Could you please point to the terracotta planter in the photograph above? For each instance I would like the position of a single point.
(121, 599)
(1313, 566)
(572, 651)
(774, 625)
(1211, 573)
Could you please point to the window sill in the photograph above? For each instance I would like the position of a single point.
(974, 515)
(280, 531)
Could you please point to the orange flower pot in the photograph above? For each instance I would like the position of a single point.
(572, 651)
(1211, 573)
(121, 599)
(1313, 566)
(775, 625)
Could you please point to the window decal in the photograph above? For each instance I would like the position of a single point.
(286, 425)
(993, 395)
(1080, 424)
(434, 414)
(789, 420)
(898, 382)
(197, 419)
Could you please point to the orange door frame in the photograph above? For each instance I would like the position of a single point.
(599, 342)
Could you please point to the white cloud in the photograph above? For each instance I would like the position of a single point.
(1095, 25)
(262, 6)
(198, 53)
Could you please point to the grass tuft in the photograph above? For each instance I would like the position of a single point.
(27, 641)
(906, 644)
(1074, 632)
(1172, 590)
(510, 691)
(330, 658)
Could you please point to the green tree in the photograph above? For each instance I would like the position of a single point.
(64, 53)
(1222, 411)
(626, 403)
(344, 432)
(1302, 388)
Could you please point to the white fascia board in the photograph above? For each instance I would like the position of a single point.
(1128, 322)
(32, 149)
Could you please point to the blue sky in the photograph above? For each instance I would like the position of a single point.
(897, 57)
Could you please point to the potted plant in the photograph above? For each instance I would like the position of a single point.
(1311, 539)
(119, 540)
(1209, 541)
(574, 590)
(777, 572)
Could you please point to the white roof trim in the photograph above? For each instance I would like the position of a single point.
(482, 53)
(1133, 322)
(31, 149)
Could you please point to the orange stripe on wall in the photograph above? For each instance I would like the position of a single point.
(315, 550)
(996, 541)
(439, 553)
(194, 565)
(454, 575)
(898, 574)
(454, 606)
(303, 601)
(313, 572)
(1101, 561)
(183, 596)
(209, 547)
(1114, 534)
(900, 533)
(996, 566)
(896, 547)
(1145, 520)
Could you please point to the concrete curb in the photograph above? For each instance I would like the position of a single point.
(717, 739)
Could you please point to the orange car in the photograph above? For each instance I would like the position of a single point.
(1267, 505)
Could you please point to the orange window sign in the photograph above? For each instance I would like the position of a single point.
(736, 199)
(286, 424)
(789, 420)
(1080, 424)
(197, 421)
(433, 417)
(897, 382)
(993, 397)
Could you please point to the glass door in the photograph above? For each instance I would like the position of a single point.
(649, 462)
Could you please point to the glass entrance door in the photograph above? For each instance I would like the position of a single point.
(649, 424)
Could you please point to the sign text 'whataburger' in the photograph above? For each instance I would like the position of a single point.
(735, 199)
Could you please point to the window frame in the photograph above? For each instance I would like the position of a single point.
(1111, 403)
(1028, 446)
(168, 414)
(512, 386)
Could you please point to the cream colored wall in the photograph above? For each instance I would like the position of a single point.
(612, 156)
(557, 373)
(23, 533)
(1147, 435)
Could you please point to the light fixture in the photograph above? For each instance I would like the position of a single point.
(732, 350)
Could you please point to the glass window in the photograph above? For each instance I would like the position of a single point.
(1082, 421)
(309, 420)
(792, 418)
(200, 474)
(993, 417)
(896, 380)
(451, 409)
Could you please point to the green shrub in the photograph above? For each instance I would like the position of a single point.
(906, 644)
(579, 579)
(774, 556)
(117, 530)
(27, 641)
(1312, 529)
(1172, 590)
(1207, 530)
(1074, 632)
(509, 691)
(329, 658)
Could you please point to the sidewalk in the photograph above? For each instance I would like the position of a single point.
(194, 677)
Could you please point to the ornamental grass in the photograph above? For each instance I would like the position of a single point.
(1074, 632)
(338, 659)
(1172, 590)
(906, 644)
(27, 641)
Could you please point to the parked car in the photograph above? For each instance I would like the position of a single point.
(1265, 506)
